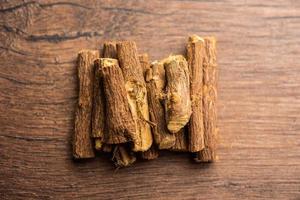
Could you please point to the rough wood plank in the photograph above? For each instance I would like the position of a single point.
(258, 99)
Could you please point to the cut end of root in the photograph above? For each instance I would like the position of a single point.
(195, 38)
(205, 156)
(122, 157)
(142, 148)
(174, 58)
(98, 144)
(80, 155)
(108, 62)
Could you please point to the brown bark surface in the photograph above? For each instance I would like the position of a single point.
(181, 141)
(151, 153)
(98, 114)
(145, 62)
(120, 126)
(155, 81)
(82, 143)
(98, 110)
(208, 154)
(195, 54)
(110, 49)
(136, 93)
(258, 98)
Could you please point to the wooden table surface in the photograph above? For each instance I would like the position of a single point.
(258, 107)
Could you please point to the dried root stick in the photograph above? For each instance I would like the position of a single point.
(136, 93)
(178, 103)
(98, 113)
(208, 154)
(155, 79)
(82, 143)
(151, 153)
(195, 55)
(120, 125)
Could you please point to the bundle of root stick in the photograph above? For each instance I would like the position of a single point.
(132, 108)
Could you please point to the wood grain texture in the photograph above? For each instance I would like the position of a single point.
(119, 123)
(136, 93)
(195, 54)
(82, 142)
(258, 99)
(98, 108)
(209, 102)
(153, 151)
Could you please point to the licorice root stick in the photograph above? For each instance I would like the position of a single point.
(151, 153)
(120, 125)
(136, 93)
(178, 103)
(208, 154)
(109, 50)
(156, 81)
(195, 55)
(82, 143)
(98, 113)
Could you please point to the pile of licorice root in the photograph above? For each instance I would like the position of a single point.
(132, 108)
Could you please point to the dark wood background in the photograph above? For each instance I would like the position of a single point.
(258, 107)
